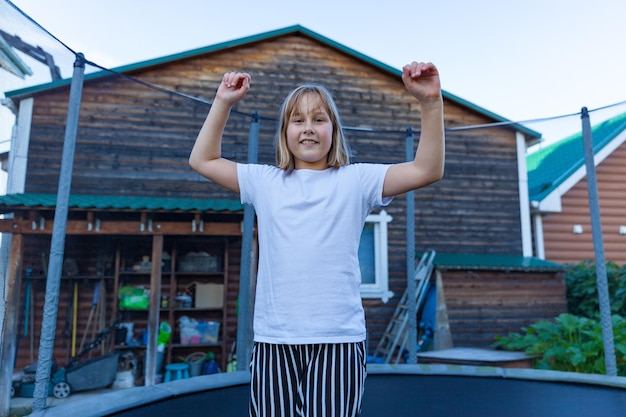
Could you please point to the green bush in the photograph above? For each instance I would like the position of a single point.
(569, 343)
(573, 342)
(582, 293)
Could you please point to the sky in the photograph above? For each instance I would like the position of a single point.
(522, 60)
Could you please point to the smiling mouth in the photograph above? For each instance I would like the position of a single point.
(308, 142)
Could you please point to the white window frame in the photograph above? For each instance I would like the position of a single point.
(380, 287)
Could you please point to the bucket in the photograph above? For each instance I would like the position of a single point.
(195, 361)
(160, 355)
(159, 361)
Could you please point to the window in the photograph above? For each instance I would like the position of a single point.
(373, 257)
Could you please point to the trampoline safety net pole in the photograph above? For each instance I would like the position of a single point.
(244, 317)
(411, 285)
(57, 244)
(598, 247)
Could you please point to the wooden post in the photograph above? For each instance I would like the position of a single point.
(153, 312)
(9, 333)
(443, 337)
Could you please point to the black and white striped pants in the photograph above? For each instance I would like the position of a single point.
(318, 380)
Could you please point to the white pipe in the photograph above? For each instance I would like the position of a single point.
(527, 249)
(539, 243)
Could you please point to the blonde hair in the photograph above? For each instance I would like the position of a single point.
(338, 155)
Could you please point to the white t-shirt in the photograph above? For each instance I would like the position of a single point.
(310, 225)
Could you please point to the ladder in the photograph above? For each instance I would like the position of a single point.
(396, 336)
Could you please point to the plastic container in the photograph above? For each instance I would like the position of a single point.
(130, 331)
(183, 301)
(189, 335)
(209, 331)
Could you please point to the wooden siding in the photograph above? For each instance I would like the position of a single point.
(133, 140)
(561, 245)
(36, 249)
(483, 304)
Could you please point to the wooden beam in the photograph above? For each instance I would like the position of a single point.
(120, 227)
(9, 335)
(153, 312)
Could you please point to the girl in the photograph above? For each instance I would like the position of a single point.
(309, 326)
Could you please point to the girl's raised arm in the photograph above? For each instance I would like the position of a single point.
(206, 155)
(422, 81)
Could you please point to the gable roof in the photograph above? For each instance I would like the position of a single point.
(553, 170)
(296, 29)
(10, 202)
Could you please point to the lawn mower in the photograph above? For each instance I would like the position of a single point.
(95, 373)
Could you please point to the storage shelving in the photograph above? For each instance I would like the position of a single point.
(185, 264)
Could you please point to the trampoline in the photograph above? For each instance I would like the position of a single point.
(391, 390)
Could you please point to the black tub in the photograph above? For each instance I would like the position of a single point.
(401, 390)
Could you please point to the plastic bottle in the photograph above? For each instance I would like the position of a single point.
(165, 332)
(210, 366)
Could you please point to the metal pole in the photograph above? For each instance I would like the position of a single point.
(410, 254)
(244, 316)
(598, 246)
(57, 245)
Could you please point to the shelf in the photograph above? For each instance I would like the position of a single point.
(177, 276)
(199, 345)
(128, 347)
(75, 277)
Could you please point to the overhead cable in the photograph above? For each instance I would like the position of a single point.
(361, 129)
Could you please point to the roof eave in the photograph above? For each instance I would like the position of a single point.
(32, 201)
(493, 262)
(531, 134)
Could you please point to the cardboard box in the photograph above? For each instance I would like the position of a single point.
(209, 295)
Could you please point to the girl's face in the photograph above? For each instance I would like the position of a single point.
(310, 134)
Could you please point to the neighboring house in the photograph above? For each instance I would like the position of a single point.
(9, 60)
(557, 184)
(135, 202)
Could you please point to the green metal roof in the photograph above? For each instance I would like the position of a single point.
(258, 38)
(480, 261)
(107, 202)
(551, 166)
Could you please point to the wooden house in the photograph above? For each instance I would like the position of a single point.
(558, 193)
(135, 202)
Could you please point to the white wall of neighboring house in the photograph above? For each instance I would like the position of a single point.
(8, 82)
